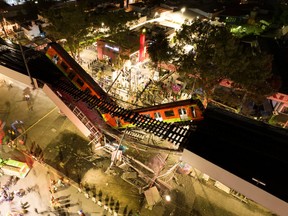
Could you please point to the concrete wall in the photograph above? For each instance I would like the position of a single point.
(252, 192)
(62, 106)
(16, 75)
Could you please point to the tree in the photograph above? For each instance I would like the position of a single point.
(69, 23)
(114, 21)
(217, 55)
(280, 16)
(159, 50)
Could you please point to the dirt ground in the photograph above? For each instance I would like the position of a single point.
(190, 194)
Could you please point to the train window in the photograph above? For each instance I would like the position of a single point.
(88, 90)
(55, 59)
(182, 111)
(169, 113)
(64, 65)
(147, 115)
(79, 82)
(158, 116)
(71, 75)
(193, 111)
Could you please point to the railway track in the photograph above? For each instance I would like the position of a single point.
(173, 133)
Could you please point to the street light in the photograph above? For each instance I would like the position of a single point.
(183, 10)
(168, 198)
(26, 66)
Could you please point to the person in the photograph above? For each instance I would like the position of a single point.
(15, 128)
(20, 192)
(15, 180)
(60, 182)
(86, 194)
(81, 213)
(53, 185)
(50, 190)
(54, 188)
(27, 97)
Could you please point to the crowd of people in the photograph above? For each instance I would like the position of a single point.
(7, 195)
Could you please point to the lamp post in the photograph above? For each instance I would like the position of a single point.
(26, 66)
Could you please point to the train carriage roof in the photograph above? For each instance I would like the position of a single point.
(171, 105)
(73, 64)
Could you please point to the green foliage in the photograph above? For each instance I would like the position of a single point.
(280, 17)
(217, 55)
(68, 23)
(159, 50)
(115, 21)
(244, 30)
(80, 24)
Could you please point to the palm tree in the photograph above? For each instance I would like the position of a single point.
(159, 50)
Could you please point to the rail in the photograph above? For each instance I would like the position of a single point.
(173, 133)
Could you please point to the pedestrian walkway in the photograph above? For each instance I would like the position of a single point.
(53, 133)
(38, 199)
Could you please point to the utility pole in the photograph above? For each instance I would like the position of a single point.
(116, 152)
(26, 66)
(109, 88)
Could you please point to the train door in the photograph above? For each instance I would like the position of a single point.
(55, 59)
(158, 116)
(183, 114)
(193, 111)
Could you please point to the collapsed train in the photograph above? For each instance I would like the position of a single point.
(179, 112)
(183, 113)
(74, 72)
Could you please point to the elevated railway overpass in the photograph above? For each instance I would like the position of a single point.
(245, 155)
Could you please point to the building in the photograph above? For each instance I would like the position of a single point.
(122, 48)
(280, 105)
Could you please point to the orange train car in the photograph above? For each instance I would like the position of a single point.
(179, 111)
(182, 112)
(73, 71)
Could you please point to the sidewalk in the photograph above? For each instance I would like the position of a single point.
(39, 198)
(57, 137)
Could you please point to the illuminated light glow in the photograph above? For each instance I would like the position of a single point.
(183, 10)
(188, 48)
(142, 47)
(8, 41)
(168, 198)
(113, 48)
